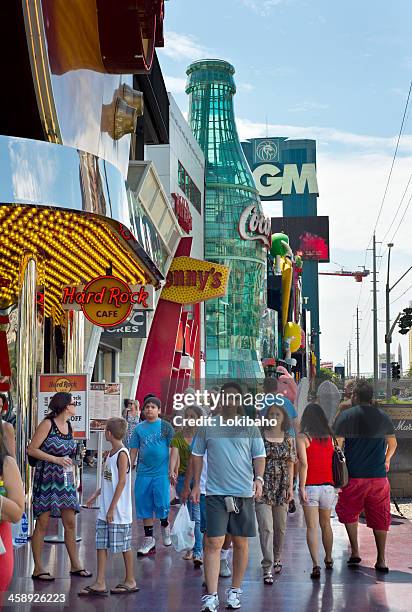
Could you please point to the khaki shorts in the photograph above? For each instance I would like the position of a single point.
(219, 522)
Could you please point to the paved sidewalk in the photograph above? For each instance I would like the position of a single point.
(170, 584)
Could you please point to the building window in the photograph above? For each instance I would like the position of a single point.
(190, 190)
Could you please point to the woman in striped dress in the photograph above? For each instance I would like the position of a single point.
(54, 492)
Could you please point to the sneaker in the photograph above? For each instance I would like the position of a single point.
(148, 547)
(224, 571)
(232, 599)
(167, 540)
(210, 603)
(197, 561)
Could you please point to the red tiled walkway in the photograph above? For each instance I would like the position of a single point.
(168, 583)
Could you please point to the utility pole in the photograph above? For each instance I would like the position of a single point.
(387, 335)
(357, 344)
(350, 360)
(375, 321)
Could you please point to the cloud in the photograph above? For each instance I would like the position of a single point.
(261, 7)
(175, 84)
(183, 47)
(245, 87)
(304, 107)
(362, 142)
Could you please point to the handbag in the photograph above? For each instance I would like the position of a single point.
(339, 467)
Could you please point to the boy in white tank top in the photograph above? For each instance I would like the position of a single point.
(114, 519)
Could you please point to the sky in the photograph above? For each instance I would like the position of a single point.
(338, 72)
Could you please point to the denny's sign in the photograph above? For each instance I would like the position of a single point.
(193, 280)
(107, 301)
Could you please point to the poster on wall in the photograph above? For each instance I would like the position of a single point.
(105, 402)
(75, 384)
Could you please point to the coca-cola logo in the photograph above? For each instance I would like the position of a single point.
(253, 225)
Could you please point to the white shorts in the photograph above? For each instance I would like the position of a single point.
(322, 496)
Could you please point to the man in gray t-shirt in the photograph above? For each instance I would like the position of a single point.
(236, 463)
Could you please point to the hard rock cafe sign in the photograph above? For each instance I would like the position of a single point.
(253, 225)
(107, 301)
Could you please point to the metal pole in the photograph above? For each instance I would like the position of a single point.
(350, 360)
(357, 344)
(375, 322)
(387, 334)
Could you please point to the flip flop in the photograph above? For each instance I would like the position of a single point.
(90, 592)
(121, 589)
(353, 561)
(81, 573)
(39, 577)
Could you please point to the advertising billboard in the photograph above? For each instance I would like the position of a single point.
(308, 236)
(279, 168)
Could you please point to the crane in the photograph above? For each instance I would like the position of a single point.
(359, 275)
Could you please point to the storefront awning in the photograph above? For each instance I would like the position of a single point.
(70, 248)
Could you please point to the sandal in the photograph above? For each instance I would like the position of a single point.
(277, 568)
(188, 556)
(122, 588)
(353, 561)
(267, 577)
(315, 572)
(91, 592)
(82, 573)
(39, 577)
(381, 568)
(329, 564)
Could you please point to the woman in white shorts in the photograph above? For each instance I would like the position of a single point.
(316, 486)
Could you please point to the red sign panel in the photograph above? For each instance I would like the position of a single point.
(182, 211)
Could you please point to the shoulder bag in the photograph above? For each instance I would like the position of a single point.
(339, 467)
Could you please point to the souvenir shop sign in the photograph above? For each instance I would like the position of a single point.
(105, 401)
(107, 301)
(253, 225)
(75, 384)
(193, 280)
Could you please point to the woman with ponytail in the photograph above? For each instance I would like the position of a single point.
(54, 490)
(316, 484)
(11, 510)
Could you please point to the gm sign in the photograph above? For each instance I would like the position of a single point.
(271, 183)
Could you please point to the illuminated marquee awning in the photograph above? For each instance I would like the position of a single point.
(70, 248)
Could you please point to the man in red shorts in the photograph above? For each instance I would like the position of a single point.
(370, 443)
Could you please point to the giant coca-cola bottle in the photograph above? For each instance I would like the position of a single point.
(232, 322)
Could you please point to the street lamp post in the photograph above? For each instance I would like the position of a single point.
(389, 329)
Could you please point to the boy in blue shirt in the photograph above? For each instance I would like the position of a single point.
(151, 440)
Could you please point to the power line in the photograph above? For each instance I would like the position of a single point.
(397, 210)
(403, 216)
(394, 157)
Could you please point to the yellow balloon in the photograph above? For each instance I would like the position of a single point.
(294, 332)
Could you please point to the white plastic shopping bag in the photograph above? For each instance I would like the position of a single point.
(183, 530)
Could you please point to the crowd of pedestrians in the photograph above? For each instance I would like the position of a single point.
(236, 480)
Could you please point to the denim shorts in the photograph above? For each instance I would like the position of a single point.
(321, 496)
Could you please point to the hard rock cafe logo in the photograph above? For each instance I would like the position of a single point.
(253, 225)
(107, 301)
(62, 384)
(267, 150)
